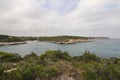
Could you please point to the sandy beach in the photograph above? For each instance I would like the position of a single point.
(12, 43)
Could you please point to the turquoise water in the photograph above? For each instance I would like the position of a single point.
(103, 48)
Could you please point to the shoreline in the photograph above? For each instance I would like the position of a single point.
(11, 43)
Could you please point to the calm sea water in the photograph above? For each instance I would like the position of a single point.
(102, 48)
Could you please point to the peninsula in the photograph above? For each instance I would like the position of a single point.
(69, 39)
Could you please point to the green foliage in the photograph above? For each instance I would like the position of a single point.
(31, 56)
(87, 57)
(7, 38)
(101, 71)
(46, 71)
(55, 56)
(11, 76)
(4, 37)
(4, 56)
(114, 60)
(53, 64)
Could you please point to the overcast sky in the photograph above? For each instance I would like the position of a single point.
(60, 17)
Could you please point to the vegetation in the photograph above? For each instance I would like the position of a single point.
(65, 38)
(7, 38)
(57, 65)
(60, 38)
(9, 57)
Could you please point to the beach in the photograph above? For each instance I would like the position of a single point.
(11, 43)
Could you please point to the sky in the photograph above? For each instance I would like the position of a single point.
(60, 17)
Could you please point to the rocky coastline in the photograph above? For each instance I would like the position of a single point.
(72, 41)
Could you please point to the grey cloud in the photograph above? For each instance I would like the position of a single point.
(90, 18)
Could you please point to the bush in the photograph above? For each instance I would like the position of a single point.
(4, 56)
(87, 57)
(55, 56)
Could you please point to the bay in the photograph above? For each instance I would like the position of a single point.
(102, 48)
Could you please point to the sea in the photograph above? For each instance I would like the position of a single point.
(102, 48)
